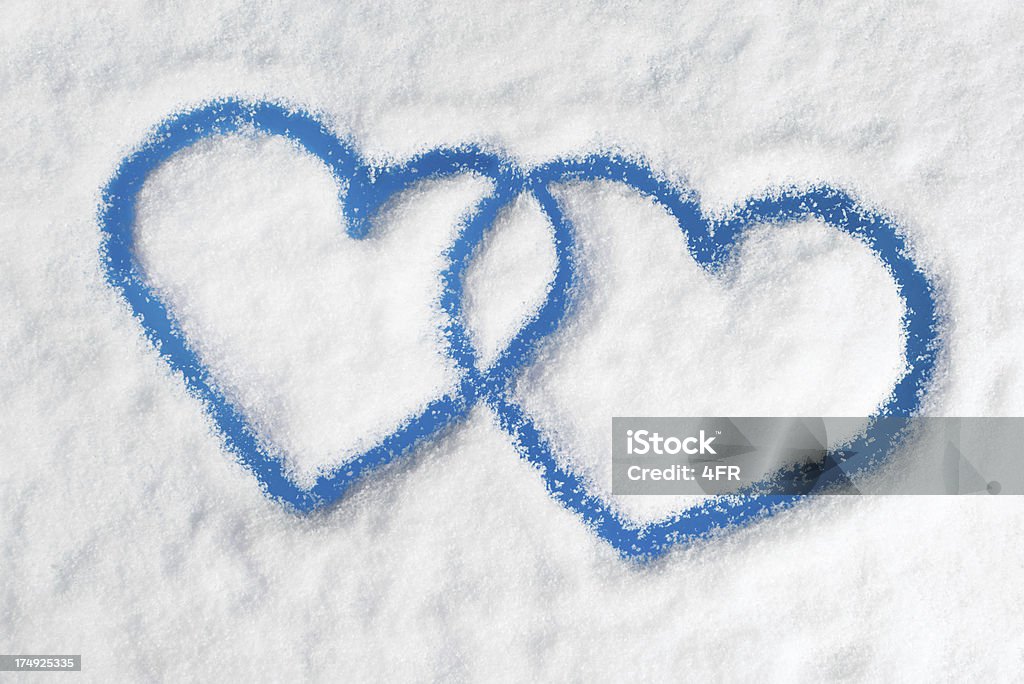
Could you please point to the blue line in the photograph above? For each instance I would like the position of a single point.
(365, 189)
(710, 244)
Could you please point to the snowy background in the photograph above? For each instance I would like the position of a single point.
(130, 537)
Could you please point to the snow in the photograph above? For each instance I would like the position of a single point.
(129, 536)
(803, 321)
(327, 342)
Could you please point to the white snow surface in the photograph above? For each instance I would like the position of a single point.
(130, 536)
(327, 343)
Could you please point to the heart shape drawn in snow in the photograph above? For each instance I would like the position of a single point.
(365, 189)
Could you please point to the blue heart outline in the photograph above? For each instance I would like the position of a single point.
(710, 244)
(365, 188)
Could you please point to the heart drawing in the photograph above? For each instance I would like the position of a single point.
(490, 379)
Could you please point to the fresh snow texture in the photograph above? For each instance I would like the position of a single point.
(131, 536)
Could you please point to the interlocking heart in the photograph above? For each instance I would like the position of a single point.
(488, 378)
